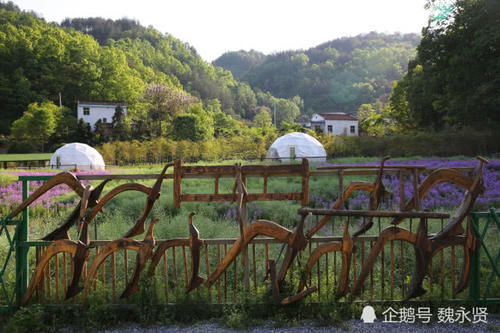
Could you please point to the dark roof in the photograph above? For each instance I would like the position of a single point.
(101, 103)
(337, 116)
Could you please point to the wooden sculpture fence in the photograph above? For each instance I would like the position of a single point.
(351, 270)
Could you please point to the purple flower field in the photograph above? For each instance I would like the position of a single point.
(11, 195)
(443, 196)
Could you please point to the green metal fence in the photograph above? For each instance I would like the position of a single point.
(482, 223)
(483, 274)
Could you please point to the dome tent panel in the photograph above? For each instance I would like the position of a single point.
(296, 145)
(77, 155)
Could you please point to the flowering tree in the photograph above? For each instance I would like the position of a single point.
(165, 102)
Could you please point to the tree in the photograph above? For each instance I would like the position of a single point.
(453, 82)
(165, 102)
(197, 125)
(120, 126)
(263, 118)
(37, 124)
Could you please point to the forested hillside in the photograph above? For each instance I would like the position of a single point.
(114, 61)
(339, 75)
(454, 82)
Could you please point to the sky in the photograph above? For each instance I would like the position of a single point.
(214, 27)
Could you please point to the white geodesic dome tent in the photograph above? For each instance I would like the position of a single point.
(77, 155)
(296, 145)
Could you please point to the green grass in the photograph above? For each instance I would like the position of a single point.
(25, 157)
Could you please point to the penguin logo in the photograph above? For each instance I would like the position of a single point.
(368, 315)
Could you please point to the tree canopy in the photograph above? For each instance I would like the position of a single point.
(454, 79)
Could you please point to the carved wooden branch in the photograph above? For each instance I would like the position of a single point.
(62, 231)
(297, 243)
(61, 178)
(195, 244)
(377, 192)
(138, 227)
(388, 234)
(346, 247)
(144, 251)
(78, 250)
(259, 227)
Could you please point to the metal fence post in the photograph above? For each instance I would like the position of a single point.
(475, 274)
(22, 251)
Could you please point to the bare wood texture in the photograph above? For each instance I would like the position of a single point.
(153, 196)
(61, 178)
(259, 227)
(194, 245)
(60, 246)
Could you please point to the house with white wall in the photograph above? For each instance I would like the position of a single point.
(335, 123)
(92, 112)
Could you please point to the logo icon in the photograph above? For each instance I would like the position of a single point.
(368, 315)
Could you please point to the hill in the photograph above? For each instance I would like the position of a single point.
(339, 75)
(99, 59)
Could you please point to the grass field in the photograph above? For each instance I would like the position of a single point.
(25, 157)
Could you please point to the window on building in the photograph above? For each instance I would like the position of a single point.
(292, 153)
(317, 128)
(104, 120)
(86, 111)
(330, 129)
(353, 129)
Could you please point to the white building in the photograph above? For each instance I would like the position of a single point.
(91, 112)
(336, 123)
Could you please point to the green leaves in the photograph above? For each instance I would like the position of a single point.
(37, 124)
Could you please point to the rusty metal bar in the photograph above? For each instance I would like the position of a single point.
(65, 272)
(442, 270)
(453, 270)
(113, 275)
(125, 259)
(235, 277)
(335, 267)
(56, 262)
(207, 265)
(382, 280)
(431, 273)
(371, 275)
(327, 274)
(165, 275)
(254, 269)
(415, 189)
(225, 276)
(174, 266)
(402, 269)
(48, 279)
(341, 188)
(392, 269)
(401, 191)
(218, 280)
(186, 281)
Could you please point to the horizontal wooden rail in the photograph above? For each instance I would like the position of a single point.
(369, 213)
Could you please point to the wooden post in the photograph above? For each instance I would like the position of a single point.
(415, 189)
(177, 184)
(274, 281)
(341, 188)
(305, 182)
(401, 191)
(245, 260)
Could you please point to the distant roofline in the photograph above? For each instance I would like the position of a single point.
(102, 103)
